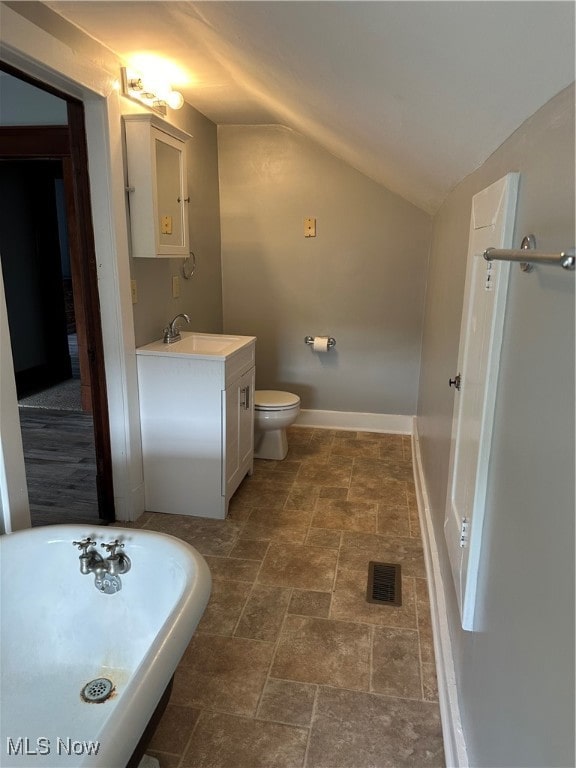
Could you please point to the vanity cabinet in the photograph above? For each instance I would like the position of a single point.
(197, 426)
(157, 187)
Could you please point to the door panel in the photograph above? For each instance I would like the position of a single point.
(492, 224)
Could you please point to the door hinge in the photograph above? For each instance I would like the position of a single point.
(464, 532)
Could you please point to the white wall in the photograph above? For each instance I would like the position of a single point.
(515, 678)
(360, 280)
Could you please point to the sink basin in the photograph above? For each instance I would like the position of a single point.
(215, 345)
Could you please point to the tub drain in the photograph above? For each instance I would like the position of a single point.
(98, 690)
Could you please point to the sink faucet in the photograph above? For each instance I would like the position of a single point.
(106, 570)
(171, 332)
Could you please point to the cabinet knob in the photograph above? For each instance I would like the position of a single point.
(186, 199)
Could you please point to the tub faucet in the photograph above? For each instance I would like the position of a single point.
(116, 562)
(90, 560)
(171, 332)
(106, 570)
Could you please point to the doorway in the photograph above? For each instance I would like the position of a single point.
(54, 316)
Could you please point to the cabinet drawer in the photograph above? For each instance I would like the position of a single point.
(239, 363)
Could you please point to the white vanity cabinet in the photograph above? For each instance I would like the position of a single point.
(157, 187)
(197, 425)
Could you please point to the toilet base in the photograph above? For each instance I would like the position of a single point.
(270, 444)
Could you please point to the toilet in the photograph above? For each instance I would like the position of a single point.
(274, 411)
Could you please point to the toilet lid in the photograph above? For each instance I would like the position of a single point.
(272, 399)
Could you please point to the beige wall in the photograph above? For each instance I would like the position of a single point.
(515, 678)
(360, 280)
(201, 296)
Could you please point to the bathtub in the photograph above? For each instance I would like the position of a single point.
(59, 633)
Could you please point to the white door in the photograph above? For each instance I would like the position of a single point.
(475, 382)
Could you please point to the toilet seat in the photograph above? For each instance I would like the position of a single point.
(274, 400)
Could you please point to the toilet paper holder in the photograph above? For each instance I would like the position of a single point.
(310, 340)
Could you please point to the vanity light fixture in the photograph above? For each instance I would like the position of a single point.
(150, 90)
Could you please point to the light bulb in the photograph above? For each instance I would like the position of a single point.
(175, 100)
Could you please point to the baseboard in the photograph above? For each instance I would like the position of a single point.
(365, 422)
(454, 742)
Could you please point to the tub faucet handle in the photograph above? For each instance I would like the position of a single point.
(112, 546)
(84, 544)
(117, 562)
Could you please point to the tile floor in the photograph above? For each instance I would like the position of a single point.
(290, 666)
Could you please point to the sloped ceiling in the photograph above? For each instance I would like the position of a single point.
(415, 95)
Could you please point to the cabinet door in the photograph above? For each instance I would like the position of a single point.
(171, 195)
(246, 420)
(157, 187)
(238, 437)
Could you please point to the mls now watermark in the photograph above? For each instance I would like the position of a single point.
(44, 746)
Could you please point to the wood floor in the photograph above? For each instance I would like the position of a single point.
(60, 466)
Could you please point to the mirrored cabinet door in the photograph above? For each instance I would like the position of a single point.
(157, 188)
(172, 200)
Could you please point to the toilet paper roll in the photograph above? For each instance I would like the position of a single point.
(320, 344)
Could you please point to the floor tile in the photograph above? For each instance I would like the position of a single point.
(323, 537)
(280, 525)
(393, 521)
(313, 650)
(263, 613)
(225, 673)
(225, 741)
(396, 663)
(429, 682)
(415, 529)
(224, 607)
(397, 468)
(308, 603)
(294, 565)
(358, 548)
(370, 481)
(367, 730)
(246, 549)
(306, 451)
(356, 448)
(232, 568)
(302, 496)
(424, 622)
(174, 729)
(335, 474)
(345, 515)
(263, 492)
(210, 537)
(287, 702)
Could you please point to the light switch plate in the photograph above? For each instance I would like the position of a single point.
(310, 227)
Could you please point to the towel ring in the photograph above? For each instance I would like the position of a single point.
(189, 266)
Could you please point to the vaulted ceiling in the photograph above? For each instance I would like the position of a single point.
(415, 95)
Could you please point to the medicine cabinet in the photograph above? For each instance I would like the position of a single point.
(157, 189)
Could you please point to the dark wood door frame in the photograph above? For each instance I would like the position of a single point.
(69, 144)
